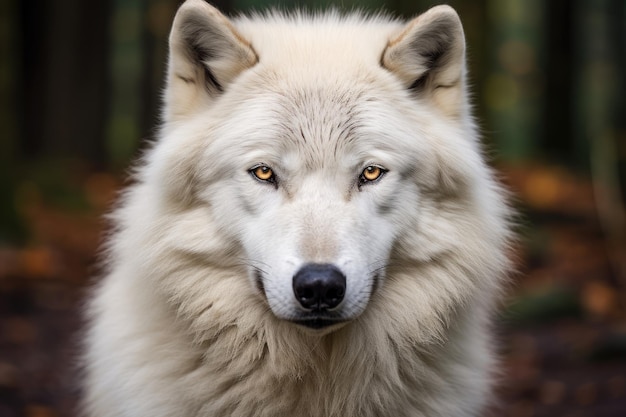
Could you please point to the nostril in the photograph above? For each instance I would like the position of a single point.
(335, 294)
(306, 294)
(319, 286)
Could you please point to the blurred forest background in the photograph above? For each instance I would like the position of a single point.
(80, 85)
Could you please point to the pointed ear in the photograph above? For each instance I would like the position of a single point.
(206, 54)
(429, 57)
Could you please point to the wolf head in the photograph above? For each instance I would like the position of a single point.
(307, 160)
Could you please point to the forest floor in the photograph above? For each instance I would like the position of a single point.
(562, 329)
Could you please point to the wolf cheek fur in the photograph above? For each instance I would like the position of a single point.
(314, 234)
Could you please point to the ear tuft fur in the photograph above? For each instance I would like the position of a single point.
(429, 56)
(206, 54)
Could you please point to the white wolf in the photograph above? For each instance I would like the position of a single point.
(315, 233)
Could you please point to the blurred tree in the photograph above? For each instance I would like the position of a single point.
(600, 89)
(10, 226)
(556, 141)
(125, 74)
(62, 67)
(514, 87)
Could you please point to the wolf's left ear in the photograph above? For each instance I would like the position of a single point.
(206, 54)
(429, 57)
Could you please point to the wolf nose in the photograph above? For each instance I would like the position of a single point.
(319, 286)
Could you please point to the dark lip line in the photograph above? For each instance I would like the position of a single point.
(375, 283)
(258, 280)
(318, 322)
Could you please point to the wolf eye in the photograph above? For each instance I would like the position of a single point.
(371, 173)
(263, 173)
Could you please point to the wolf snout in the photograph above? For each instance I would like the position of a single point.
(319, 287)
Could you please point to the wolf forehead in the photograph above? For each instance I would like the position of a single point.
(323, 122)
(313, 128)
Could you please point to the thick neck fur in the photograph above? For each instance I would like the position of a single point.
(278, 369)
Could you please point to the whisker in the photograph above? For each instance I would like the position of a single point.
(378, 266)
(255, 264)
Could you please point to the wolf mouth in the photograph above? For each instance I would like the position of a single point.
(318, 322)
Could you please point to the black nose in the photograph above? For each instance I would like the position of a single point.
(319, 286)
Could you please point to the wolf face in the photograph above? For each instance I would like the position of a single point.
(320, 198)
(323, 152)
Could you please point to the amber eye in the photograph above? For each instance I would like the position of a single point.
(371, 173)
(263, 173)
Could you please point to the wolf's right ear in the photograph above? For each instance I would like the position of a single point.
(206, 54)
